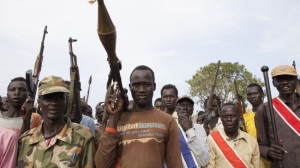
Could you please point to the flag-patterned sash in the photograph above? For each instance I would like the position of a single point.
(186, 153)
(288, 116)
(229, 154)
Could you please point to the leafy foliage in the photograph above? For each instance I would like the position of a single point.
(202, 82)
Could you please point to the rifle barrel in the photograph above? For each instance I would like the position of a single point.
(294, 64)
(216, 76)
(45, 32)
(212, 93)
(73, 58)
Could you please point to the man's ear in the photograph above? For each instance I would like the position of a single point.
(154, 86)
(274, 82)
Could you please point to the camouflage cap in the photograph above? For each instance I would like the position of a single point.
(52, 84)
(185, 98)
(284, 70)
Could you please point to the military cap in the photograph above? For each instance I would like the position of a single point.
(284, 70)
(52, 84)
(185, 97)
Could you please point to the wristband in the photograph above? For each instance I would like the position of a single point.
(111, 130)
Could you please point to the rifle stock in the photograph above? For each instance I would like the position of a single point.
(74, 102)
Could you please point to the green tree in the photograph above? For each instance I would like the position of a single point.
(202, 82)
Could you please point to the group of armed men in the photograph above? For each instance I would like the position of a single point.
(144, 135)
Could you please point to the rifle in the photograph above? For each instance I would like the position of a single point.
(88, 92)
(298, 83)
(240, 106)
(107, 35)
(265, 70)
(75, 87)
(212, 93)
(208, 104)
(32, 79)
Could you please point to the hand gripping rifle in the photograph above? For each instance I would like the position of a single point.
(32, 79)
(265, 70)
(240, 106)
(75, 88)
(107, 35)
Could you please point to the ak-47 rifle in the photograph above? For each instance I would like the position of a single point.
(240, 106)
(107, 35)
(88, 92)
(74, 100)
(212, 93)
(209, 103)
(32, 79)
(298, 83)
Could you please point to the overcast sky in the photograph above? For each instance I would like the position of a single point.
(173, 37)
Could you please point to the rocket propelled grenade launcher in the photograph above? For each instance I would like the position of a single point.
(108, 36)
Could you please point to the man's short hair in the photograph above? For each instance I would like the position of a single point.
(158, 99)
(21, 79)
(200, 113)
(260, 89)
(169, 86)
(230, 104)
(100, 104)
(143, 67)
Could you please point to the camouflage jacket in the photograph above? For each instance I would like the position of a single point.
(74, 146)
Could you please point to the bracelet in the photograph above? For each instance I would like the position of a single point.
(111, 130)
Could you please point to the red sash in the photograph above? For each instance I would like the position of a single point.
(227, 151)
(287, 115)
